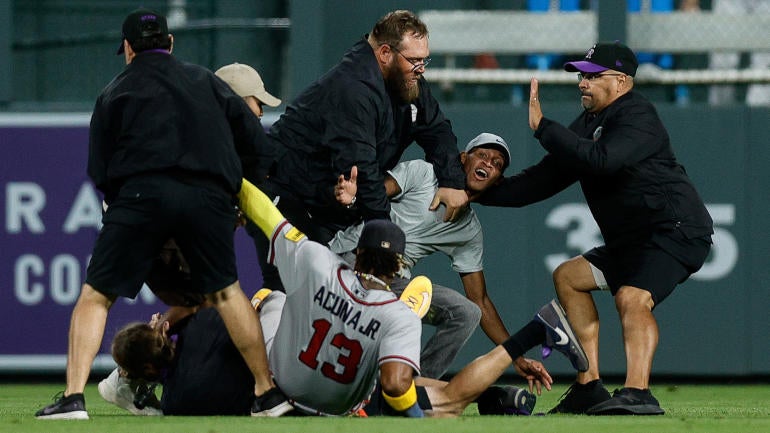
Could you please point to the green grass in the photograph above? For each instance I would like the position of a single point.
(689, 408)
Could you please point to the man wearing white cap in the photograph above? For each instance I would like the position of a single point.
(411, 186)
(246, 83)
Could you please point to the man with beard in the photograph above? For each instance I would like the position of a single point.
(365, 111)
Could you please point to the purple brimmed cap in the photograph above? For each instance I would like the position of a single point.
(142, 23)
(603, 56)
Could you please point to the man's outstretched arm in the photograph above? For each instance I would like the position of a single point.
(259, 208)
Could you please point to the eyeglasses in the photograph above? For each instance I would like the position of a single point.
(416, 63)
(592, 77)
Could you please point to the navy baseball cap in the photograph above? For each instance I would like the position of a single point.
(488, 140)
(603, 56)
(142, 23)
(384, 235)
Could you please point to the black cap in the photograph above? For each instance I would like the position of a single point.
(603, 56)
(142, 23)
(384, 235)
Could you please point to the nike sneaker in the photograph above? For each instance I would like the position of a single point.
(559, 335)
(119, 391)
(580, 397)
(506, 400)
(272, 403)
(628, 401)
(72, 406)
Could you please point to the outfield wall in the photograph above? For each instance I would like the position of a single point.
(715, 324)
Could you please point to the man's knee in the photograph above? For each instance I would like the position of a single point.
(574, 274)
(629, 298)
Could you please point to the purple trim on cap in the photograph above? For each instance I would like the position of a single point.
(156, 50)
(584, 66)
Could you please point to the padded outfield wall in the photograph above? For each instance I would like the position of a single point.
(714, 324)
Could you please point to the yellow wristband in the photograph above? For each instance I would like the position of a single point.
(402, 402)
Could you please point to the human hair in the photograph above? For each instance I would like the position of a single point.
(391, 28)
(142, 352)
(151, 43)
(377, 262)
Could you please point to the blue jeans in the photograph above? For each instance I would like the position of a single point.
(455, 318)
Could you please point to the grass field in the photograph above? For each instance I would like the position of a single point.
(689, 408)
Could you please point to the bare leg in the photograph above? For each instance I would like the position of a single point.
(574, 282)
(245, 331)
(640, 334)
(89, 317)
(449, 399)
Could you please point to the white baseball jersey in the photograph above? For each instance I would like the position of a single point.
(333, 333)
(426, 232)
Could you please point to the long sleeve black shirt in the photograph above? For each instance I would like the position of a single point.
(346, 118)
(627, 170)
(163, 115)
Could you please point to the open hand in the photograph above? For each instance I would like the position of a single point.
(535, 112)
(535, 373)
(346, 189)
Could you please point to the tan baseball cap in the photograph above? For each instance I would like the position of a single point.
(245, 81)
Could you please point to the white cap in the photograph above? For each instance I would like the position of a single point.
(485, 138)
(245, 81)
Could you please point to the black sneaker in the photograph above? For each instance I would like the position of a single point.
(628, 401)
(506, 400)
(580, 397)
(559, 335)
(272, 403)
(72, 406)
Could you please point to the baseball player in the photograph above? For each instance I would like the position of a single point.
(338, 324)
(327, 328)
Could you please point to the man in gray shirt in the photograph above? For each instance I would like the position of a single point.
(411, 186)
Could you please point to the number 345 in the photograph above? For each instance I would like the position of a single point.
(583, 234)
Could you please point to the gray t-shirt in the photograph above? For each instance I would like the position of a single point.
(426, 232)
(333, 334)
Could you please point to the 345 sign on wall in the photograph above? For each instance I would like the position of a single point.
(582, 234)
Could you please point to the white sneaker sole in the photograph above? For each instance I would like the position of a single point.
(276, 411)
(77, 414)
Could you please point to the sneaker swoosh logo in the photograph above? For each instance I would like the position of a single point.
(563, 339)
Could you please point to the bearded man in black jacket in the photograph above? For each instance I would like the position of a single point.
(364, 112)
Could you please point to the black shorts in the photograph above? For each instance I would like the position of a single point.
(148, 211)
(646, 266)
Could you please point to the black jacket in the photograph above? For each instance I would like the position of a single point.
(627, 170)
(164, 115)
(348, 118)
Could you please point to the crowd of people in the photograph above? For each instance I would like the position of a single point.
(338, 222)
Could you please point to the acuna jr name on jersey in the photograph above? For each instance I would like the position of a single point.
(343, 309)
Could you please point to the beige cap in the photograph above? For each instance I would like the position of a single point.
(245, 81)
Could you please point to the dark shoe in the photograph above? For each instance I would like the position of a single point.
(506, 400)
(70, 407)
(272, 403)
(579, 398)
(559, 335)
(628, 401)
